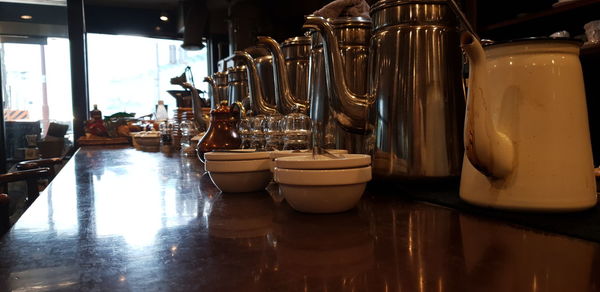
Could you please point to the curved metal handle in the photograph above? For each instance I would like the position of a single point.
(257, 100)
(237, 110)
(283, 92)
(350, 109)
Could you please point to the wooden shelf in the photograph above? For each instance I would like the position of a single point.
(567, 8)
(590, 52)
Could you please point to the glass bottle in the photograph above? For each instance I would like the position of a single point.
(166, 141)
(188, 131)
(96, 114)
(161, 112)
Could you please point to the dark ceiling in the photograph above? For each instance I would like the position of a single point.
(147, 4)
(278, 18)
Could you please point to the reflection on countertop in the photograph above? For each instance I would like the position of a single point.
(117, 219)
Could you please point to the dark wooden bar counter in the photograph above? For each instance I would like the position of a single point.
(116, 219)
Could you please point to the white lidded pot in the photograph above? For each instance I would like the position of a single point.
(527, 140)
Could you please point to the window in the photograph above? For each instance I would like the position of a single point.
(36, 90)
(130, 74)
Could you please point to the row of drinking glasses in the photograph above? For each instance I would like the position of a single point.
(276, 132)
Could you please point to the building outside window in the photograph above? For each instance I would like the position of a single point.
(131, 74)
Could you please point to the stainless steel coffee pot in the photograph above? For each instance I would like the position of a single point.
(290, 70)
(237, 85)
(337, 122)
(415, 88)
(218, 85)
(256, 91)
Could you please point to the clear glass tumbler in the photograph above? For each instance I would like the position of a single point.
(297, 131)
(258, 132)
(274, 133)
(245, 131)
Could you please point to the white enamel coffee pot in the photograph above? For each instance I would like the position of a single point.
(526, 130)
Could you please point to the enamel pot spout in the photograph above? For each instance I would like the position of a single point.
(489, 150)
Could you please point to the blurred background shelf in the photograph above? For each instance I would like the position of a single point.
(501, 20)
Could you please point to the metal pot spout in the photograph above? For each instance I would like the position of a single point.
(256, 94)
(488, 149)
(349, 108)
(285, 98)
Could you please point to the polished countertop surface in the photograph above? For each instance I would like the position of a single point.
(117, 219)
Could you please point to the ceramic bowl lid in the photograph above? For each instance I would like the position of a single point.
(237, 165)
(323, 161)
(236, 154)
(284, 153)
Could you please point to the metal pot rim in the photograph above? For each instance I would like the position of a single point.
(532, 39)
(298, 40)
(390, 3)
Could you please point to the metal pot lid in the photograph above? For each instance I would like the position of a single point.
(256, 51)
(389, 3)
(263, 59)
(236, 69)
(488, 43)
(299, 40)
(350, 21)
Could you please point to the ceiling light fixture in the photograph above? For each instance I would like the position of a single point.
(164, 16)
(38, 2)
(26, 17)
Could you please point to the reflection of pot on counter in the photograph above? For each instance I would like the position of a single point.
(241, 215)
(239, 228)
(335, 248)
(505, 258)
(417, 248)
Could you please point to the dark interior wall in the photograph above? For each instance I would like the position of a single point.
(275, 18)
(278, 19)
(2, 134)
(491, 12)
(591, 71)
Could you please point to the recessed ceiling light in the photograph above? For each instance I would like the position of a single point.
(26, 17)
(164, 16)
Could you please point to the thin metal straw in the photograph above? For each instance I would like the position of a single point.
(463, 19)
